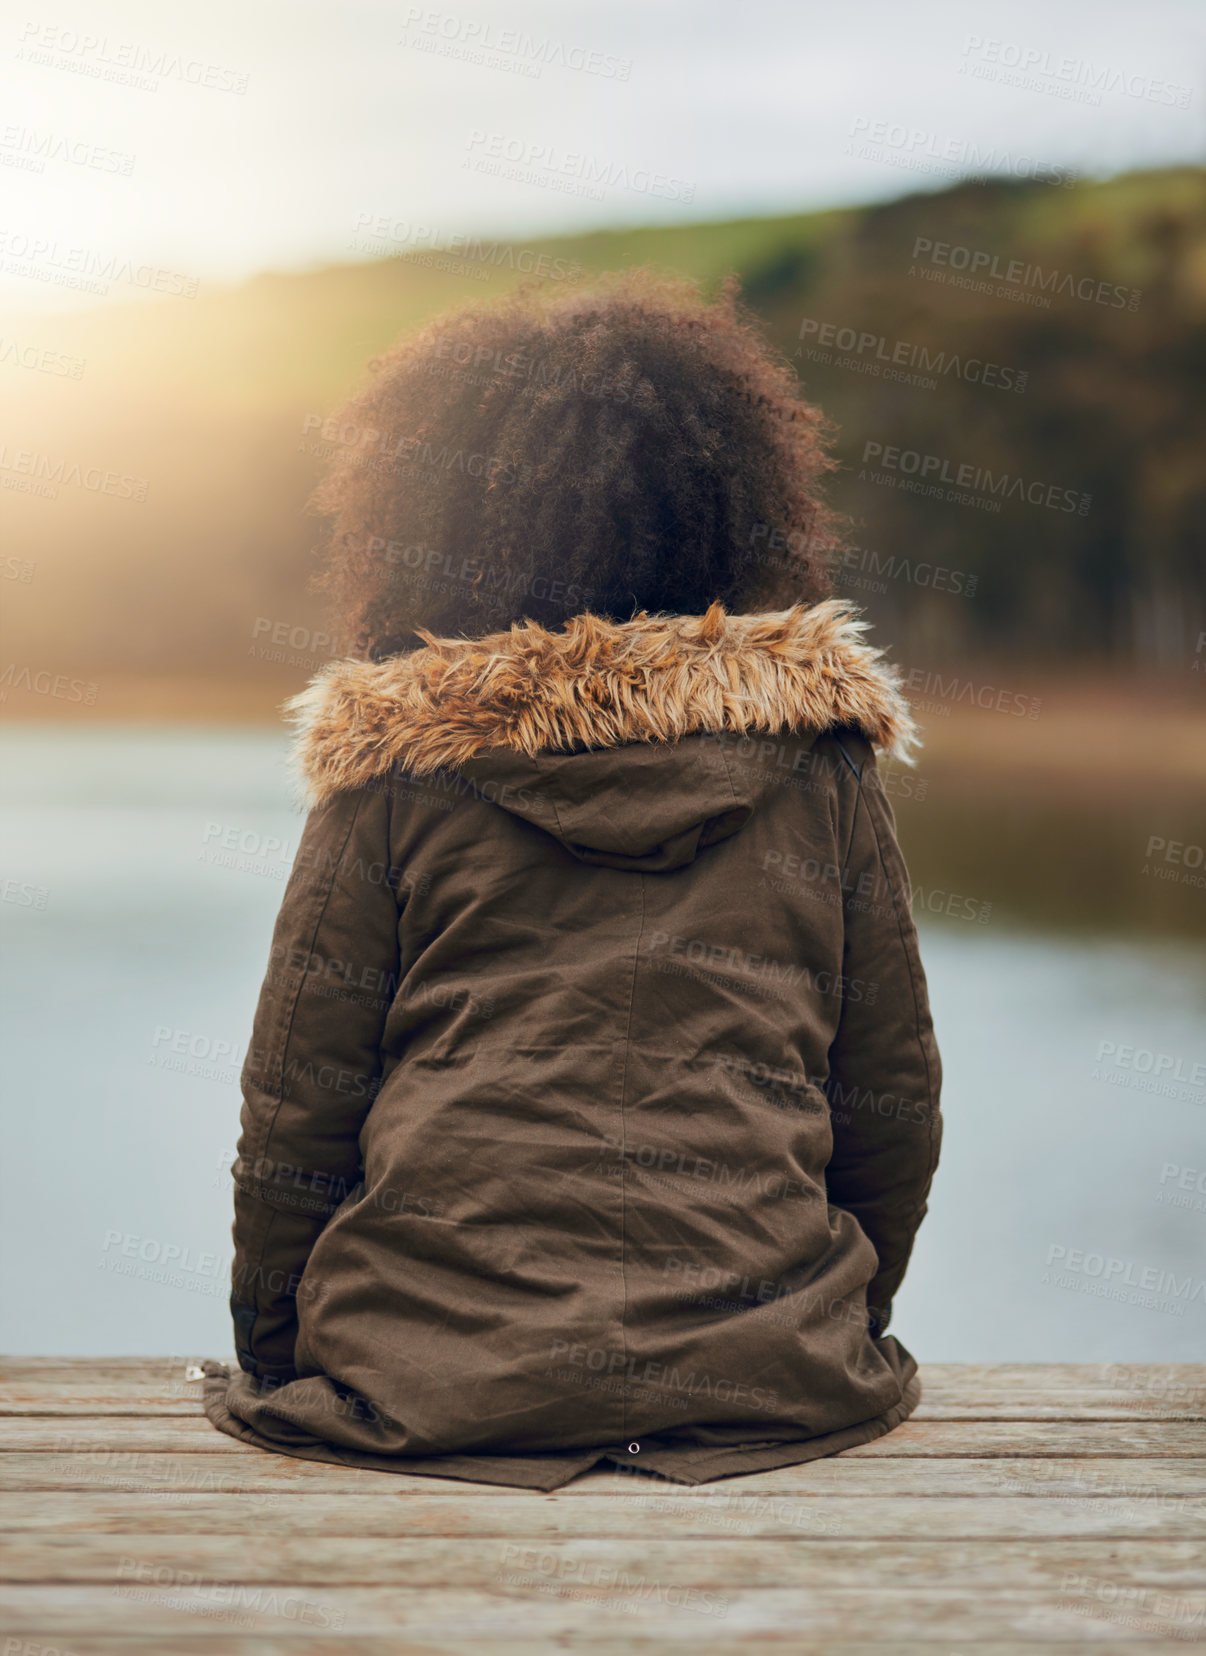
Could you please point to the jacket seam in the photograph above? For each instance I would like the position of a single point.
(728, 775)
(636, 956)
(287, 1032)
(858, 805)
(925, 1057)
(855, 768)
(287, 1035)
(253, 1301)
(552, 804)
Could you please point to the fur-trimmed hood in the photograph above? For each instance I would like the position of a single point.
(597, 684)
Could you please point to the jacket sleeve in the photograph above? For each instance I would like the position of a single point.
(312, 1068)
(885, 1073)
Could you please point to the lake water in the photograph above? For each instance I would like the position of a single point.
(1068, 1217)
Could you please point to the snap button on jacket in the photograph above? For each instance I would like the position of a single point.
(592, 1100)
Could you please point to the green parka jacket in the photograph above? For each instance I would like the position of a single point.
(592, 1100)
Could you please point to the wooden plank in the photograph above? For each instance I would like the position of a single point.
(183, 1401)
(188, 1435)
(962, 1379)
(543, 1609)
(17, 1370)
(435, 1561)
(582, 1638)
(966, 1376)
(1087, 1408)
(1023, 1508)
(133, 1370)
(1058, 1373)
(1067, 1376)
(106, 1397)
(1033, 1440)
(1039, 1392)
(236, 1472)
(68, 1402)
(738, 1509)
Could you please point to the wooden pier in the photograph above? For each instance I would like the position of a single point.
(1023, 1509)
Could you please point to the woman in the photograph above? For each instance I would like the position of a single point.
(592, 1101)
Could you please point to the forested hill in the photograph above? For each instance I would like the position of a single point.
(1016, 370)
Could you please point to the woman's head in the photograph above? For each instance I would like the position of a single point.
(616, 444)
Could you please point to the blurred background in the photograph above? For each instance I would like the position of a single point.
(980, 235)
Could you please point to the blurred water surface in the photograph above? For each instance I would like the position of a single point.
(1066, 1223)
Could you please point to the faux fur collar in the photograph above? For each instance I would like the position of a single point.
(603, 683)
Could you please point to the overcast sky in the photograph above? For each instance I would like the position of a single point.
(207, 142)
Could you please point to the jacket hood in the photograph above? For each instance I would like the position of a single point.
(643, 806)
(600, 734)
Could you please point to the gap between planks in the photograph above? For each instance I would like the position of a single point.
(1032, 1440)
(237, 1472)
(590, 1643)
(740, 1514)
(60, 1612)
(440, 1561)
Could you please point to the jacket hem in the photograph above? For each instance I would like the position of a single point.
(545, 1471)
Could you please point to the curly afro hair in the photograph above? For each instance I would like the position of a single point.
(612, 444)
